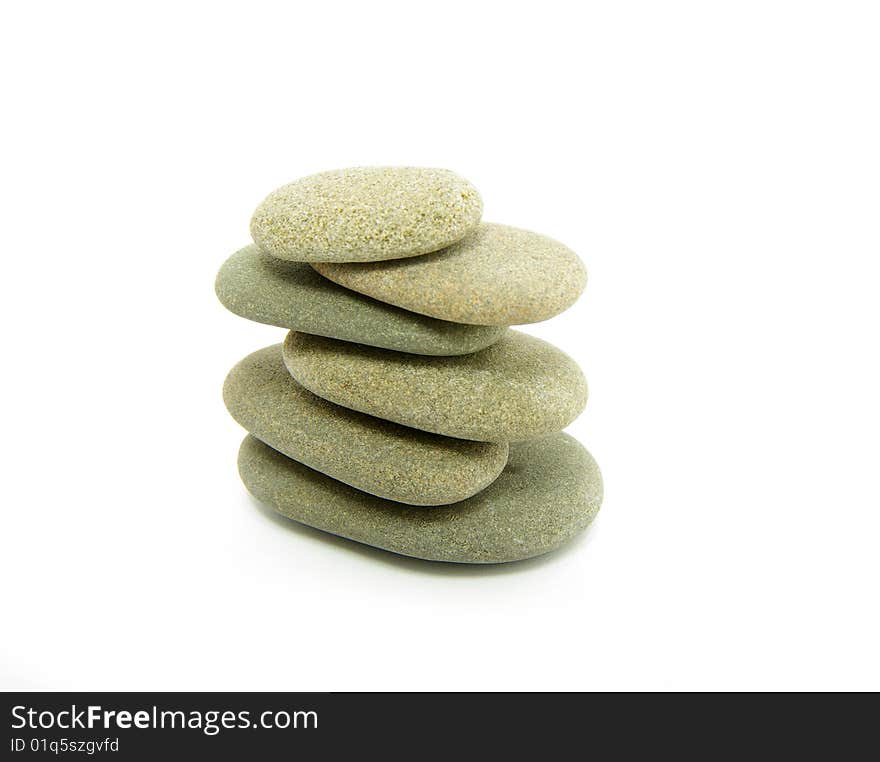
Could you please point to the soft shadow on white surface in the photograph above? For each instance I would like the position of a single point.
(405, 563)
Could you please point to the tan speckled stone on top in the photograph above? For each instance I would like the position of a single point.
(518, 388)
(497, 275)
(366, 214)
(376, 456)
(550, 491)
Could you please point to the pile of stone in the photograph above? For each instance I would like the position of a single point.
(400, 411)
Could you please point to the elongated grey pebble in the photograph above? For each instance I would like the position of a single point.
(497, 275)
(366, 214)
(292, 295)
(376, 456)
(550, 491)
(518, 388)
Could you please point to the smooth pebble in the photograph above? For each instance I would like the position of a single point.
(260, 287)
(376, 456)
(518, 388)
(497, 275)
(366, 214)
(549, 492)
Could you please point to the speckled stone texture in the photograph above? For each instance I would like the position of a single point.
(497, 275)
(550, 491)
(376, 456)
(259, 287)
(366, 214)
(519, 388)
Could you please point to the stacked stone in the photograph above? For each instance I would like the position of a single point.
(401, 411)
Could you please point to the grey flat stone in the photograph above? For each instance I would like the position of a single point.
(376, 456)
(366, 214)
(497, 275)
(550, 491)
(292, 295)
(520, 387)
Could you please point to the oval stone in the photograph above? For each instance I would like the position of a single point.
(259, 287)
(497, 275)
(366, 214)
(550, 491)
(376, 456)
(520, 387)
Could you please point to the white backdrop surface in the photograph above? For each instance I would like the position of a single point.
(715, 165)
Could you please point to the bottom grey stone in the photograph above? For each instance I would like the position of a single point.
(550, 490)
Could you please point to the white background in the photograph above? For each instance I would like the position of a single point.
(716, 165)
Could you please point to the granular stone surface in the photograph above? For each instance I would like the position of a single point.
(366, 214)
(376, 456)
(518, 388)
(292, 295)
(550, 491)
(497, 275)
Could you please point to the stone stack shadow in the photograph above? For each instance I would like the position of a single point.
(401, 411)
